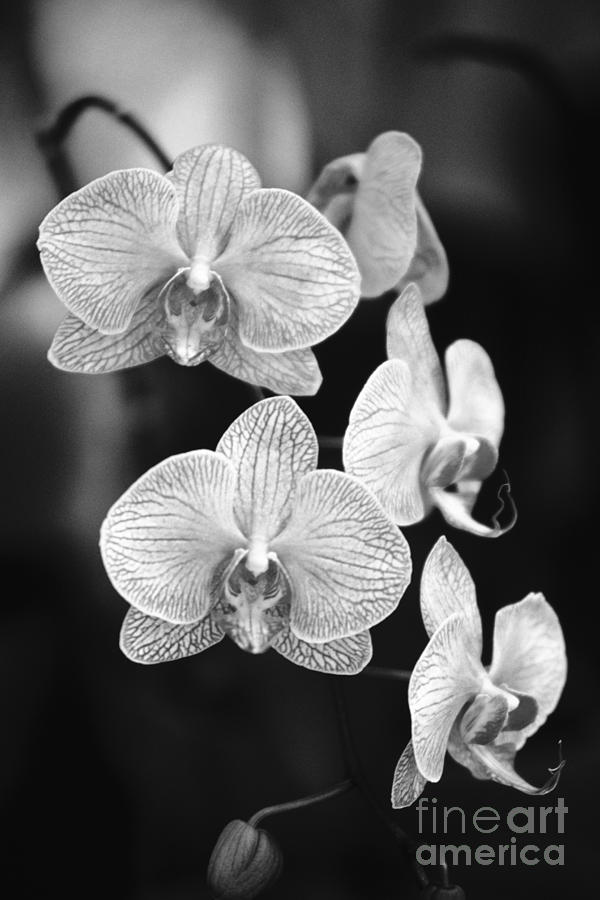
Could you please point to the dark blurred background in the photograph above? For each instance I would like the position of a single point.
(116, 779)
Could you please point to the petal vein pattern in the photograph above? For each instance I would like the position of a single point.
(346, 656)
(347, 563)
(447, 588)
(163, 539)
(104, 246)
(148, 640)
(211, 182)
(270, 446)
(290, 272)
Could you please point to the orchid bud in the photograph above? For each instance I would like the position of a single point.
(244, 862)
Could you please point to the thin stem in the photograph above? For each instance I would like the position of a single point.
(330, 442)
(257, 392)
(50, 140)
(319, 797)
(354, 767)
(391, 674)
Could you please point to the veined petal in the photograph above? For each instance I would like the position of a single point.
(388, 435)
(476, 404)
(408, 782)
(383, 229)
(529, 656)
(346, 656)
(211, 182)
(78, 348)
(290, 272)
(295, 372)
(429, 266)
(497, 762)
(162, 541)
(271, 446)
(347, 563)
(447, 674)
(409, 339)
(104, 246)
(145, 639)
(447, 588)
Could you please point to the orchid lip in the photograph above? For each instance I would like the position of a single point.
(196, 321)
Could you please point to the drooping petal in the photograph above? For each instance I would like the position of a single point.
(162, 541)
(348, 565)
(409, 339)
(346, 656)
(78, 348)
(271, 446)
(498, 764)
(447, 674)
(476, 404)
(529, 656)
(211, 181)
(447, 588)
(429, 266)
(290, 272)
(388, 435)
(146, 639)
(456, 509)
(408, 783)
(383, 228)
(104, 246)
(295, 372)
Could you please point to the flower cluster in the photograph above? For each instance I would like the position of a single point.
(253, 541)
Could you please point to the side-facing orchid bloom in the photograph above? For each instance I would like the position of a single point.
(252, 542)
(417, 441)
(481, 716)
(372, 198)
(198, 264)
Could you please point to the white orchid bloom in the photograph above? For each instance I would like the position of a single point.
(373, 199)
(481, 716)
(252, 542)
(420, 440)
(198, 264)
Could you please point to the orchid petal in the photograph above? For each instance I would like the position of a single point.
(146, 639)
(346, 656)
(271, 446)
(295, 372)
(211, 182)
(455, 508)
(484, 717)
(529, 656)
(476, 404)
(447, 674)
(334, 190)
(383, 229)
(497, 761)
(409, 339)
(104, 246)
(387, 438)
(447, 588)
(78, 348)
(162, 541)
(347, 563)
(408, 782)
(290, 272)
(429, 266)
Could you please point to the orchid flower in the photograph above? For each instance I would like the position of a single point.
(252, 542)
(199, 264)
(372, 198)
(481, 716)
(418, 442)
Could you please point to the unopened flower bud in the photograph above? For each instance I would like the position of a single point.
(244, 862)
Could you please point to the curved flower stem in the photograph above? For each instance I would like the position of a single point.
(257, 392)
(50, 140)
(391, 674)
(354, 767)
(311, 799)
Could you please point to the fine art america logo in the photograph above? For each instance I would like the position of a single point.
(520, 820)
